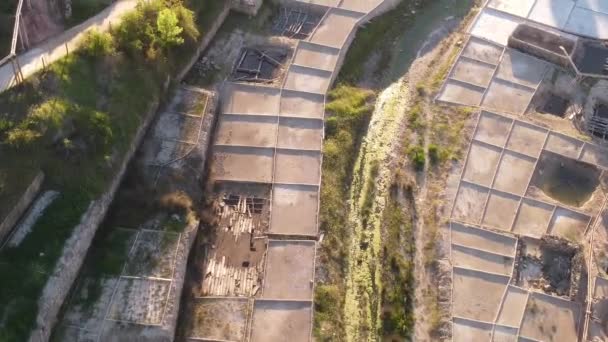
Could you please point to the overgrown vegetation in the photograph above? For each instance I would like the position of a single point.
(398, 266)
(349, 111)
(75, 122)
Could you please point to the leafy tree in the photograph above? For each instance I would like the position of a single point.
(187, 22)
(169, 31)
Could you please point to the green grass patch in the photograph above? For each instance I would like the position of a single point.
(12, 188)
(415, 118)
(30, 264)
(444, 69)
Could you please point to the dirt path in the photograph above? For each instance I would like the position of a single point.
(422, 275)
(432, 56)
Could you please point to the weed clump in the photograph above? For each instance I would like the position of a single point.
(99, 44)
(417, 157)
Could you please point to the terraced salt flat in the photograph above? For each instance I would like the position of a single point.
(274, 136)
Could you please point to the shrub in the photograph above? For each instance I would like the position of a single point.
(177, 202)
(130, 34)
(434, 153)
(5, 124)
(95, 127)
(43, 120)
(348, 101)
(415, 117)
(21, 137)
(417, 157)
(98, 44)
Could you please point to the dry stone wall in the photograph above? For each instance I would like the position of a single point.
(19, 209)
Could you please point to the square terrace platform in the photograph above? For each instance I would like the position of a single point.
(335, 28)
(281, 321)
(246, 130)
(297, 167)
(219, 319)
(363, 6)
(481, 304)
(140, 301)
(465, 330)
(289, 270)
(242, 164)
(294, 210)
(247, 99)
(548, 318)
(302, 105)
(307, 79)
(301, 134)
(316, 56)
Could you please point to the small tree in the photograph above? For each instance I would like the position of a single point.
(169, 31)
(130, 34)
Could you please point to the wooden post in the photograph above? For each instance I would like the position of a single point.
(16, 70)
(16, 59)
(20, 33)
(26, 37)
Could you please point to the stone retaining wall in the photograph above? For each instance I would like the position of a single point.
(19, 209)
(76, 247)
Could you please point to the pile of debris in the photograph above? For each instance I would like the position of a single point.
(551, 264)
(297, 23)
(258, 65)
